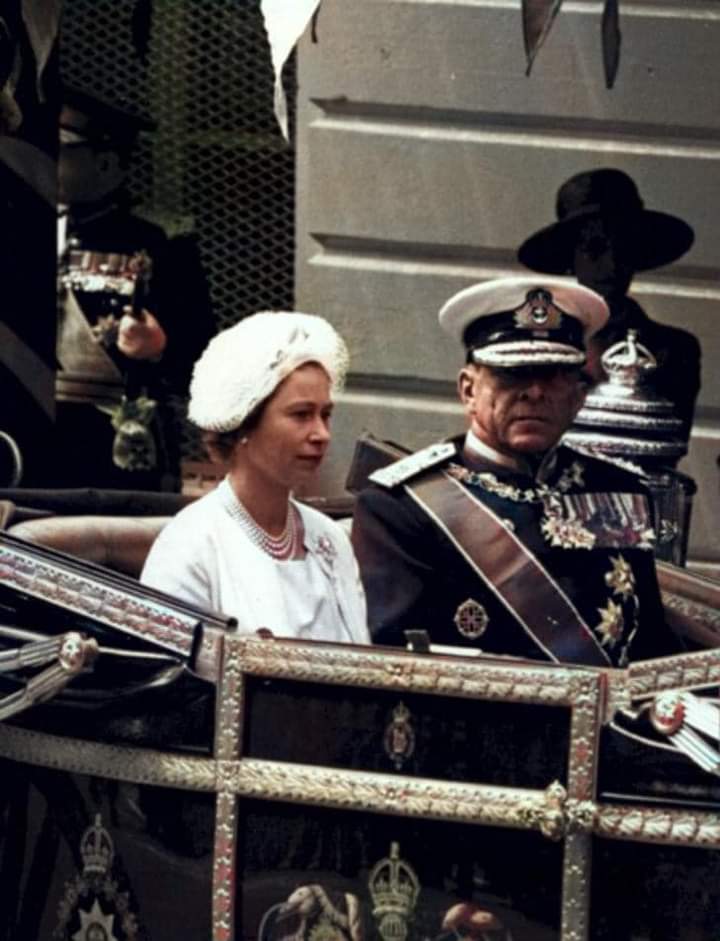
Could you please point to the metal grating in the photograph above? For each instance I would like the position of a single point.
(217, 165)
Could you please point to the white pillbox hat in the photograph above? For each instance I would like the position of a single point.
(243, 365)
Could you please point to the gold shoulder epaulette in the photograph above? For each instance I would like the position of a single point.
(400, 471)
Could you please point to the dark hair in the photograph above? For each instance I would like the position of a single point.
(221, 444)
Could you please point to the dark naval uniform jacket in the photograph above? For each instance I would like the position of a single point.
(178, 296)
(178, 293)
(587, 523)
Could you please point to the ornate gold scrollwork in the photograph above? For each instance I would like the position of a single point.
(559, 815)
(549, 818)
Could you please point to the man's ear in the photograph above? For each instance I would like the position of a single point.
(582, 388)
(466, 385)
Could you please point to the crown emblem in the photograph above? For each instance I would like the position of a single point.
(99, 902)
(394, 889)
(399, 736)
(628, 362)
(538, 312)
(96, 849)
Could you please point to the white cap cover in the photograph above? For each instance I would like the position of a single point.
(524, 321)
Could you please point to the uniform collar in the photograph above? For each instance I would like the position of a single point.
(474, 449)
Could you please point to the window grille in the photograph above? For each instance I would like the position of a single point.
(217, 165)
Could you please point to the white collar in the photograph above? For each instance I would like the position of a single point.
(475, 446)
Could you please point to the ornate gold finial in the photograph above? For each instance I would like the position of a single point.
(550, 818)
(96, 848)
(394, 888)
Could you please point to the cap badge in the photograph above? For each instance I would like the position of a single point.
(538, 311)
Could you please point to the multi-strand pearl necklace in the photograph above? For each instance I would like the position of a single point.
(281, 547)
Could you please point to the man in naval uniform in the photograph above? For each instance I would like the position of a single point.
(154, 350)
(507, 540)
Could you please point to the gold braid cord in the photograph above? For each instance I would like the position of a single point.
(683, 672)
(652, 825)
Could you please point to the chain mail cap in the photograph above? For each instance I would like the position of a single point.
(243, 365)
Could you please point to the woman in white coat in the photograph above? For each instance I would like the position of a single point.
(262, 392)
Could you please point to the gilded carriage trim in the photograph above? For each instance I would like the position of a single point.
(574, 687)
(653, 825)
(645, 679)
(86, 595)
(575, 913)
(488, 805)
(138, 765)
(442, 676)
(687, 671)
(224, 856)
(707, 615)
(561, 815)
(230, 701)
(573, 817)
(618, 695)
(584, 732)
(228, 738)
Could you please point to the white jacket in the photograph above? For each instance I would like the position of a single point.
(204, 557)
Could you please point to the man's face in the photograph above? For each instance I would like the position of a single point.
(521, 411)
(85, 174)
(603, 259)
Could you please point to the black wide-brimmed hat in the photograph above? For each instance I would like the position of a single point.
(86, 117)
(655, 238)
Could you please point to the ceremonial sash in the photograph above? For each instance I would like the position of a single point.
(509, 569)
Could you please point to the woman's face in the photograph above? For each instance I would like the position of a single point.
(291, 437)
(603, 259)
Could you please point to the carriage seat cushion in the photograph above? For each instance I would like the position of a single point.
(118, 542)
